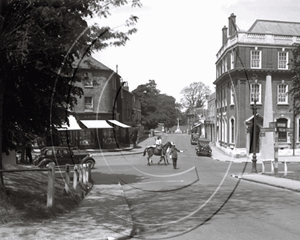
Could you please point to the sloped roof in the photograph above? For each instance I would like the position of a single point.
(275, 27)
(89, 62)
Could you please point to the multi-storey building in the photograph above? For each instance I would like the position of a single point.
(210, 118)
(105, 109)
(262, 53)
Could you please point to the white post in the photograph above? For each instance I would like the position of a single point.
(262, 166)
(272, 167)
(285, 168)
(51, 184)
(84, 173)
(75, 176)
(67, 179)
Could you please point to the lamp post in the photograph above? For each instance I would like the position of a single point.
(255, 97)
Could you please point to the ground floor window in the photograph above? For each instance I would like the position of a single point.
(282, 136)
(87, 137)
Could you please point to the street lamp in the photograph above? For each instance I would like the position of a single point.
(255, 96)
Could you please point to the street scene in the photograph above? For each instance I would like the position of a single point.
(149, 119)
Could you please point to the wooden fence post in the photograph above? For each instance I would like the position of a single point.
(67, 179)
(51, 184)
(80, 173)
(84, 173)
(75, 176)
(89, 173)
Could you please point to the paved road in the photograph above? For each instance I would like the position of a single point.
(171, 203)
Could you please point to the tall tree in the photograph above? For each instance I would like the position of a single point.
(295, 67)
(156, 107)
(39, 40)
(194, 96)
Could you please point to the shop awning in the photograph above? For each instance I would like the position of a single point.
(73, 125)
(96, 124)
(117, 123)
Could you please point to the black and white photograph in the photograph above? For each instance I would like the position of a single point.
(149, 119)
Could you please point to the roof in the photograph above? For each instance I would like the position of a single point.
(275, 27)
(89, 62)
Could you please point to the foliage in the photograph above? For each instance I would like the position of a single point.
(39, 40)
(295, 67)
(194, 96)
(36, 52)
(156, 107)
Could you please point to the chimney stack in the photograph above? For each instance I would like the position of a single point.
(231, 24)
(224, 35)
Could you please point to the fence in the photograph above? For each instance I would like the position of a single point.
(82, 176)
(263, 167)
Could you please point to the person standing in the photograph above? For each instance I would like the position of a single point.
(28, 152)
(173, 155)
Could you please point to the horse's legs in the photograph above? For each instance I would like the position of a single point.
(148, 161)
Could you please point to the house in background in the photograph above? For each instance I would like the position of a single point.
(262, 53)
(102, 110)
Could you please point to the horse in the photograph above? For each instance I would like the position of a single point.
(162, 153)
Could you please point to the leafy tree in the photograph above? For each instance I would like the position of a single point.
(39, 40)
(295, 67)
(194, 96)
(156, 107)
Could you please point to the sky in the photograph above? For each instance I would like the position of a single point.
(177, 41)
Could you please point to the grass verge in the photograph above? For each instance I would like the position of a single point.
(27, 200)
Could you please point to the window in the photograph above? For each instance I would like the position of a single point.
(232, 60)
(282, 136)
(232, 95)
(255, 92)
(282, 96)
(232, 131)
(88, 103)
(282, 60)
(87, 80)
(255, 59)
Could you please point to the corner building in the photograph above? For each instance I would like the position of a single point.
(262, 53)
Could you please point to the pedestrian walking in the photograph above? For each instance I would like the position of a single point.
(28, 152)
(173, 155)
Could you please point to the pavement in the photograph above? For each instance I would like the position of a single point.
(104, 213)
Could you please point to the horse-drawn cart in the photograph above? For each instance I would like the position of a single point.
(203, 148)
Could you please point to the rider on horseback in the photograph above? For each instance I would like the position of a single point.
(158, 143)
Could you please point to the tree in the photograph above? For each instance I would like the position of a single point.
(194, 96)
(295, 67)
(39, 41)
(156, 107)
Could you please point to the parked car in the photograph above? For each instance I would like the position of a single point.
(203, 148)
(62, 156)
(194, 138)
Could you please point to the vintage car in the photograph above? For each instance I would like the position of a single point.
(62, 156)
(203, 148)
(194, 138)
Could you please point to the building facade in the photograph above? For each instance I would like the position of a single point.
(107, 101)
(254, 65)
(210, 118)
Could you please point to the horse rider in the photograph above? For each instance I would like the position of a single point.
(158, 143)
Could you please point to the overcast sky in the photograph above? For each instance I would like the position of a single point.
(177, 41)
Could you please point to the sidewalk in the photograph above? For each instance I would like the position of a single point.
(288, 184)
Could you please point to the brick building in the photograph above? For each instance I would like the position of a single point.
(105, 109)
(262, 53)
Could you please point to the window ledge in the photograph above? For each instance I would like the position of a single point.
(283, 104)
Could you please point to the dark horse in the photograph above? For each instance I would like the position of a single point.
(162, 153)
